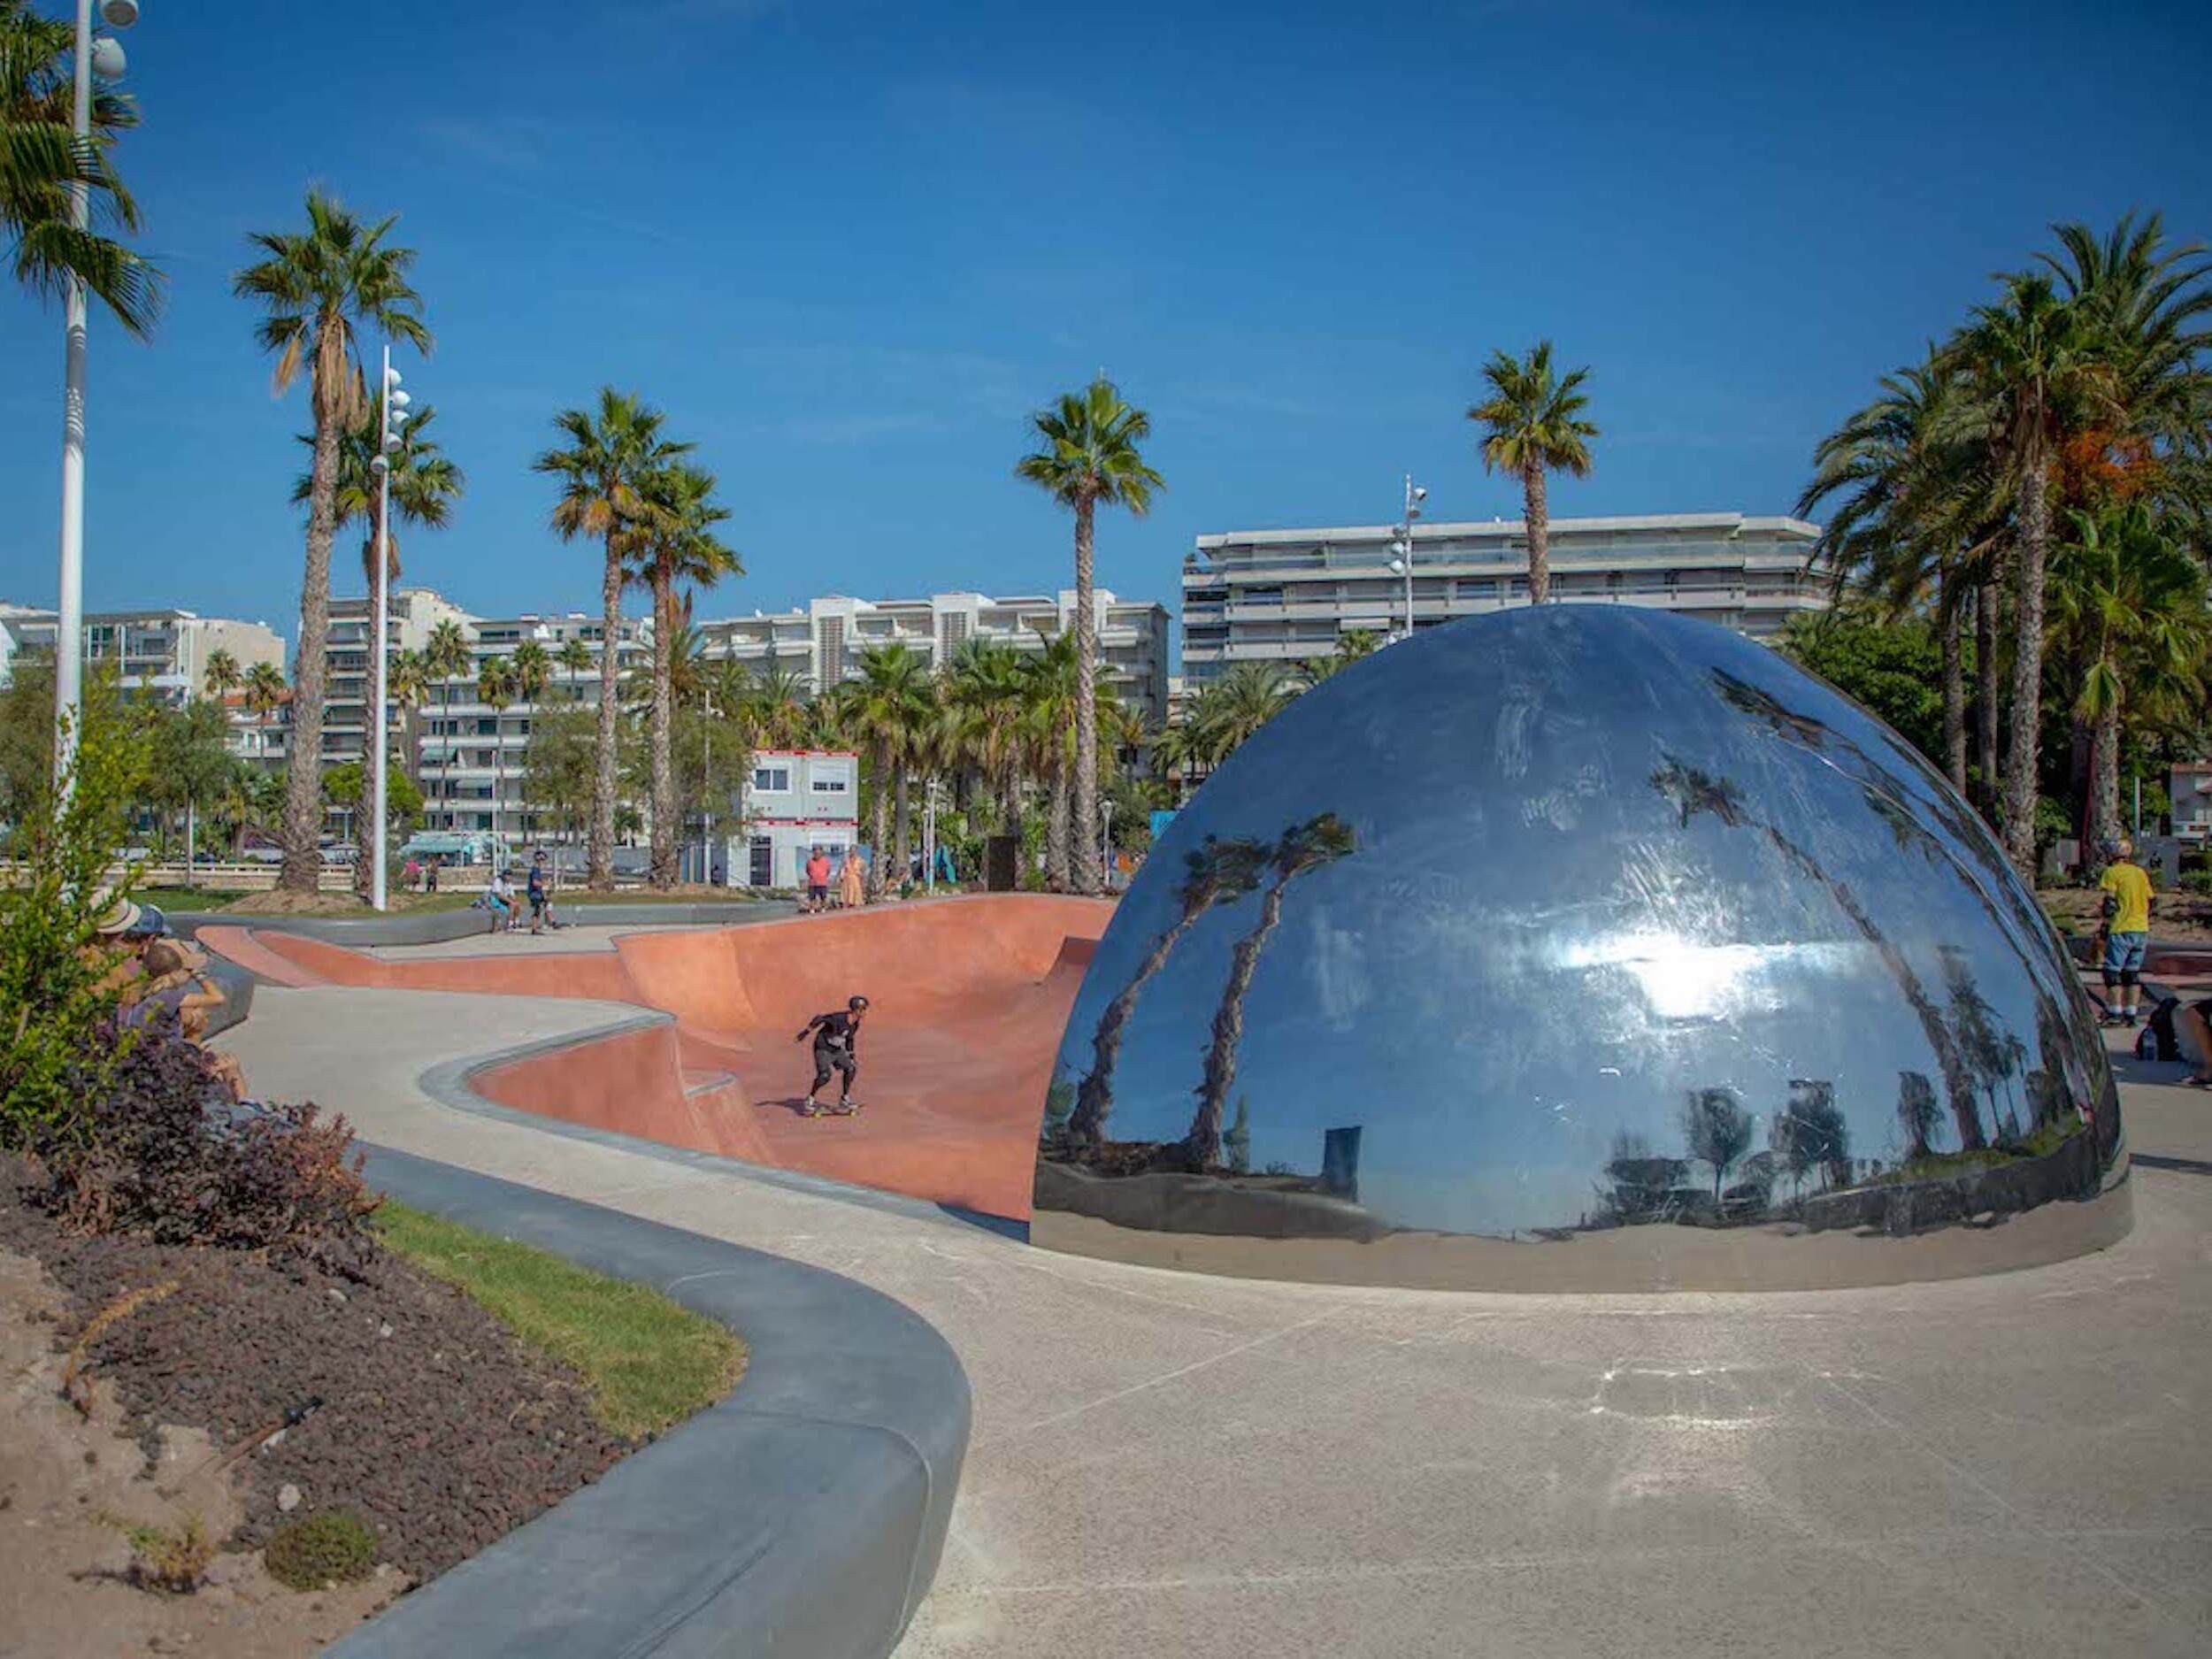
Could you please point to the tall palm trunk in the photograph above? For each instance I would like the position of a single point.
(879, 817)
(1986, 605)
(1203, 1143)
(1010, 797)
(1094, 1095)
(662, 864)
(1536, 512)
(902, 831)
(1949, 599)
(2104, 777)
(2027, 670)
(599, 870)
(1057, 807)
(302, 867)
(1085, 871)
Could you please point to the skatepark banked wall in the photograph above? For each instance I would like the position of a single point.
(969, 997)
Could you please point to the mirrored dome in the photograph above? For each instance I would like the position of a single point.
(1579, 948)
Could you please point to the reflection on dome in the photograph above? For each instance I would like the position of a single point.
(1579, 948)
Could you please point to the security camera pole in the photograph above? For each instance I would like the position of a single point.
(69, 608)
(1402, 546)
(393, 403)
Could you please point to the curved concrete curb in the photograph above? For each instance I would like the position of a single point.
(801, 1516)
(434, 927)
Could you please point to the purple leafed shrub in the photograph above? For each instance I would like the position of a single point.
(164, 1152)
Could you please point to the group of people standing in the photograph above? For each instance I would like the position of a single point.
(851, 878)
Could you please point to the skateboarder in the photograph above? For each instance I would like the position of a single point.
(836, 1049)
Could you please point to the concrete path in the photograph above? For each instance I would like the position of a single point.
(573, 937)
(1165, 1463)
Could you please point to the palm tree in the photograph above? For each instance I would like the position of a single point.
(1219, 873)
(889, 700)
(1050, 688)
(531, 670)
(776, 706)
(446, 657)
(2024, 358)
(42, 160)
(222, 676)
(2130, 603)
(984, 686)
(495, 689)
(1304, 848)
(407, 680)
(601, 472)
(317, 286)
(266, 694)
(1533, 424)
(425, 484)
(1914, 519)
(1089, 457)
(575, 658)
(674, 542)
(1230, 708)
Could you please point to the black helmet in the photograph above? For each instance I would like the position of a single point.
(858, 1004)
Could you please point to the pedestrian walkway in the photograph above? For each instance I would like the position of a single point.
(1167, 1464)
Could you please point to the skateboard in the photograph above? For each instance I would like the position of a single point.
(852, 1110)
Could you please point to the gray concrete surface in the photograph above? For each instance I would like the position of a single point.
(1165, 1463)
(579, 936)
(803, 1515)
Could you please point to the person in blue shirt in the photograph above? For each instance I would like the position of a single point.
(540, 895)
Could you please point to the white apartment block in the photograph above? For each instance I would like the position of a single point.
(792, 801)
(1284, 595)
(822, 644)
(161, 652)
(471, 757)
(410, 613)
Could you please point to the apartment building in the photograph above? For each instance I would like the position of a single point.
(792, 802)
(470, 755)
(822, 644)
(161, 652)
(2189, 788)
(410, 613)
(1283, 595)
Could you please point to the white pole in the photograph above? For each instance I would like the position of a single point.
(1409, 523)
(929, 837)
(707, 808)
(377, 895)
(69, 618)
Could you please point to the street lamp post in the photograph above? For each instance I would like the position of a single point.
(1402, 546)
(69, 608)
(929, 835)
(393, 407)
(1106, 840)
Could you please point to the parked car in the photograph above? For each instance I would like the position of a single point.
(343, 853)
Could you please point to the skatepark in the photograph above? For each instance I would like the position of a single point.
(968, 999)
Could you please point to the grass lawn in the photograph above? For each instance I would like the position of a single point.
(649, 1362)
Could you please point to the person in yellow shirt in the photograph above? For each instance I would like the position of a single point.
(2127, 919)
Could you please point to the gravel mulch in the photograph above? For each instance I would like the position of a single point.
(435, 1426)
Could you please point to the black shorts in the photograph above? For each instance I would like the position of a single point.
(828, 1059)
(537, 903)
(819, 893)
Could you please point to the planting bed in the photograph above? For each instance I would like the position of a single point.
(435, 1425)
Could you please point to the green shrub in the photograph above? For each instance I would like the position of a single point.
(53, 1061)
(335, 1546)
(171, 1559)
(2197, 881)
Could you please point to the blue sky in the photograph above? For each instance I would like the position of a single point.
(848, 244)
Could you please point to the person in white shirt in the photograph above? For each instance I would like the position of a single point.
(499, 899)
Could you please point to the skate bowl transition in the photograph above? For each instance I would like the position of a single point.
(968, 998)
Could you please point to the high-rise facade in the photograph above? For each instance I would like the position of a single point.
(160, 652)
(823, 644)
(1285, 595)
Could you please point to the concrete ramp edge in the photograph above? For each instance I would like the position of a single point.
(804, 1515)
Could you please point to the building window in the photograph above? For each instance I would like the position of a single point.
(830, 785)
(771, 779)
(763, 862)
